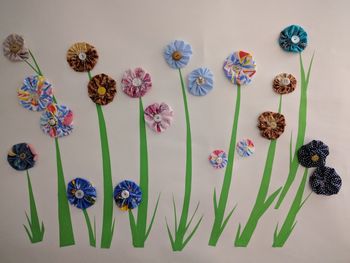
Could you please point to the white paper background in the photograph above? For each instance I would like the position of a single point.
(134, 33)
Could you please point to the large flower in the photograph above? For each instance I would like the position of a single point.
(240, 67)
(22, 156)
(82, 57)
(200, 81)
(159, 116)
(102, 89)
(325, 181)
(14, 48)
(293, 39)
(218, 159)
(177, 54)
(284, 83)
(57, 120)
(36, 93)
(313, 154)
(127, 195)
(81, 193)
(136, 83)
(271, 124)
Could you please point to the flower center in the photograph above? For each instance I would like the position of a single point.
(101, 90)
(125, 194)
(219, 160)
(295, 39)
(82, 56)
(273, 124)
(79, 194)
(52, 121)
(200, 80)
(136, 82)
(285, 81)
(34, 96)
(157, 118)
(15, 47)
(22, 156)
(315, 158)
(176, 55)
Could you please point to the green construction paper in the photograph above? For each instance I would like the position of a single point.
(92, 231)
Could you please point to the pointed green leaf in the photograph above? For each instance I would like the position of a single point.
(152, 219)
(194, 213)
(169, 233)
(28, 233)
(192, 233)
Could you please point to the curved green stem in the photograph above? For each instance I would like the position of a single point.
(92, 231)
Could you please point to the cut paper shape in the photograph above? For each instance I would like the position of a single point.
(313, 154)
(245, 147)
(136, 83)
(293, 39)
(271, 124)
(177, 54)
(14, 48)
(200, 81)
(218, 159)
(159, 116)
(240, 67)
(284, 83)
(82, 57)
(22, 156)
(102, 89)
(127, 195)
(81, 193)
(325, 181)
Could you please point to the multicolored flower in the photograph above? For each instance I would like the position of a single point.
(81, 193)
(136, 83)
(200, 81)
(313, 154)
(127, 195)
(177, 54)
(325, 181)
(102, 89)
(14, 48)
(284, 83)
(245, 147)
(22, 156)
(240, 67)
(293, 39)
(159, 116)
(82, 57)
(271, 124)
(218, 159)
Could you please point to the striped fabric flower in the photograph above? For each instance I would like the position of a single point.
(293, 39)
(82, 57)
(325, 181)
(218, 159)
(271, 125)
(81, 193)
(284, 83)
(22, 156)
(200, 81)
(313, 154)
(245, 147)
(127, 195)
(240, 67)
(177, 54)
(102, 89)
(136, 83)
(14, 48)
(158, 116)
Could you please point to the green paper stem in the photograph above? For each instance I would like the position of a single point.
(36, 64)
(31, 66)
(92, 231)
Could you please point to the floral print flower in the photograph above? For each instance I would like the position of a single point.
(200, 81)
(271, 124)
(22, 156)
(14, 48)
(245, 147)
(293, 39)
(177, 54)
(218, 159)
(127, 195)
(36, 93)
(82, 57)
(313, 154)
(325, 181)
(136, 83)
(240, 67)
(284, 83)
(158, 116)
(57, 120)
(81, 193)
(102, 89)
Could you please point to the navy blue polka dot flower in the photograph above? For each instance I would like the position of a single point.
(127, 195)
(81, 193)
(325, 181)
(22, 156)
(313, 154)
(177, 54)
(293, 39)
(200, 81)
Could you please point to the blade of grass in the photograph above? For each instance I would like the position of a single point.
(152, 218)
(92, 237)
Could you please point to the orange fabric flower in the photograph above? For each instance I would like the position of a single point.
(271, 124)
(102, 89)
(82, 57)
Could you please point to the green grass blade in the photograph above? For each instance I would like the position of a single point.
(36, 64)
(191, 219)
(215, 201)
(291, 150)
(28, 220)
(193, 232)
(170, 235)
(175, 213)
(227, 219)
(92, 238)
(28, 233)
(152, 218)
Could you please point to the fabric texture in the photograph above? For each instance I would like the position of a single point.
(127, 195)
(14, 48)
(177, 54)
(81, 193)
(158, 116)
(284, 83)
(218, 159)
(325, 181)
(200, 81)
(245, 147)
(22, 156)
(102, 89)
(136, 83)
(239, 68)
(293, 39)
(82, 57)
(271, 124)
(313, 154)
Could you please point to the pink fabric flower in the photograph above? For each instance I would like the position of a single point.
(159, 116)
(136, 83)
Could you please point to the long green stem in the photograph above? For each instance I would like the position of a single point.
(92, 231)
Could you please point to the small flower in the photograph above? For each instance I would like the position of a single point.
(177, 54)
(81, 193)
(245, 147)
(218, 159)
(127, 195)
(36, 93)
(313, 154)
(293, 39)
(136, 83)
(284, 83)
(325, 181)
(57, 120)
(82, 57)
(14, 48)
(200, 81)
(102, 89)
(239, 67)
(271, 124)
(22, 156)
(158, 117)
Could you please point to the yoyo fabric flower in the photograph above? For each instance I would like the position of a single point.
(158, 116)
(177, 54)
(218, 159)
(127, 195)
(240, 67)
(284, 83)
(82, 57)
(313, 154)
(245, 147)
(293, 39)
(200, 81)
(271, 124)
(81, 193)
(35, 94)
(57, 120)
(14, 48)
(325, 181)
(102, 89)
(136, 83)
(22, 156)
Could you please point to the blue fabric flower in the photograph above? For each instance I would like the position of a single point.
(200, 81)
(177, 54)
(127, 195)
(22, 156)
(293, 39)
(313, 154)
(325, 181)
(81, 193)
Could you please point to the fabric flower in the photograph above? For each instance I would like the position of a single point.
(325, 181)
(102, 89)
(22, 156)
(284, 83)
(177, 54)
(127, 195)
(158, 117)
(271, 124)
(293, 39)
(239, 67)
(82, 57)
(245, 147)
(81, 193)
(36, 93)
(200, 81)
(218, 159)
(313, 154)
(136, 83)
(14, 48)
(57, 120)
